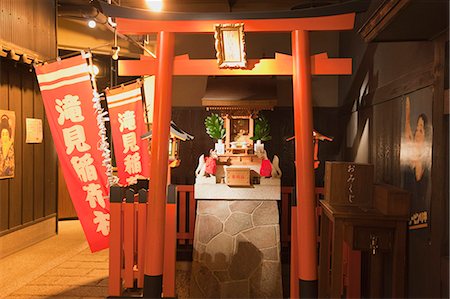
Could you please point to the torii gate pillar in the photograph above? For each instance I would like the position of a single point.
(303, 126)
(158, 172)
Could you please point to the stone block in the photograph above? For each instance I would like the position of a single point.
(238, 222)
(266, 281)
(271, 254)
(218, 208)
(199, 251)
(204, 284)
(244, 206)
(235, 289)
(222, 276)
(262, 236)
(267, 213)
(234, 258)
(218, 252)
(245, 261)
(208, 227)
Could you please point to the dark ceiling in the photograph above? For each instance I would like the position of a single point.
(214, 5)
(418, 20)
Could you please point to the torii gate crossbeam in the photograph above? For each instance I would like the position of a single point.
(301, 66)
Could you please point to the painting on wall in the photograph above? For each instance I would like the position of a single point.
(7, 129)
(416, 154)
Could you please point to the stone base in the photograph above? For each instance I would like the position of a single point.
(268, 189)
(236, 250)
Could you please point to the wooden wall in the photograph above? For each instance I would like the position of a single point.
(394, 71)
(30, 25)
(32, 194)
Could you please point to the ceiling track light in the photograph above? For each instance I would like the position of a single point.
(92, 24)
(155, 5)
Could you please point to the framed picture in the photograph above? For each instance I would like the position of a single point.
(7, 131)
(230, 45)
(239, 130)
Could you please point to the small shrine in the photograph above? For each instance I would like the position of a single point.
(242, 170)
(176, 135)
(236, 238)
(316, 138)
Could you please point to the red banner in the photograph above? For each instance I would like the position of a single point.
(69, 99)
(126, 116)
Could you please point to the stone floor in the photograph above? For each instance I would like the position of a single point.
(64, 267)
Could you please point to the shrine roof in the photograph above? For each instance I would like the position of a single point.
(175, 132)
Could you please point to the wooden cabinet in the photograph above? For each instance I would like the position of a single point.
(391, 200)
(369, 238)
(365, 230)
(349, 184)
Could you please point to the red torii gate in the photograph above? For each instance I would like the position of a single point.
(301, 65)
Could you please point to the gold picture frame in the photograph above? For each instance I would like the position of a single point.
(230, 45)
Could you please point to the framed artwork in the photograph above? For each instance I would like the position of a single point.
(7, 129)
(239, 130)
(416, 154)
(34, 132)
(230, 45)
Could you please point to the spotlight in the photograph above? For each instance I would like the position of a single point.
(92, 24)
(155, 5)
(115, 54)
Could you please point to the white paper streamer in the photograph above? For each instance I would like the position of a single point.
(102, 116)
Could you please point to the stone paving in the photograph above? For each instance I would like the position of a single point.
(79, 274)
(64, 267)
(85, 275)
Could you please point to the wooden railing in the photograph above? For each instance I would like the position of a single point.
(128, 212)
(127, 234)
(187, 209)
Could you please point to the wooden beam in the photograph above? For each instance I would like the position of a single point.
(281, 65)
(334, 22)
(382, 17)
(322, 65)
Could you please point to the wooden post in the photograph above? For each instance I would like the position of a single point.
(115, 242)
(128, 238)
(294, 250)
(170, 244)
(306, 202)
(158, 174)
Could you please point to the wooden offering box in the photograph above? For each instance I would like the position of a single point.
(390, 200)
(349, 184)
(237, 176)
